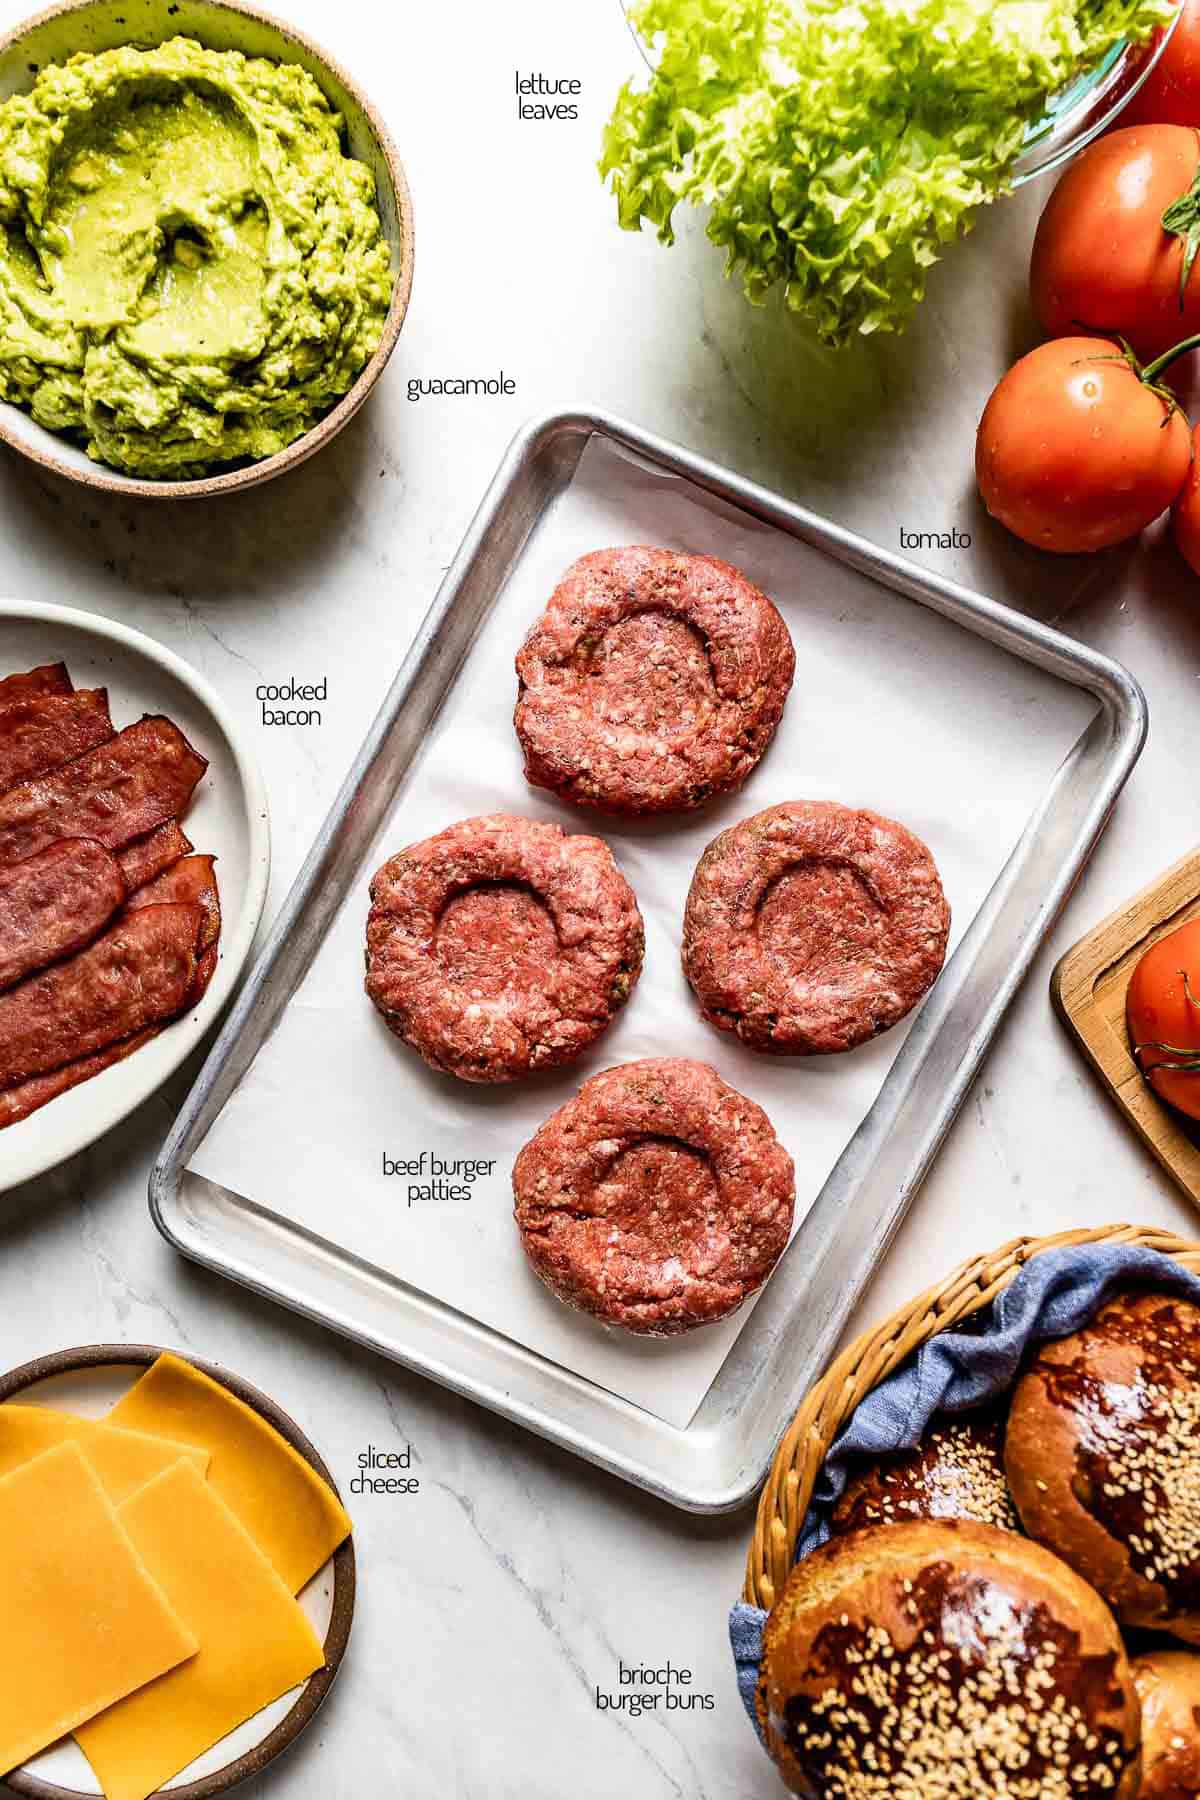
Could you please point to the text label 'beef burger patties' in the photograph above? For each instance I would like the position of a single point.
(652, 681)
(811, 927)
(658, 1199)
(502, 946)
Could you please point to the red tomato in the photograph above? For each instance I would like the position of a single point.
(1102, 260)
(1170, 94)
(1185, 519)
(1075, 452)
(1162, 1011)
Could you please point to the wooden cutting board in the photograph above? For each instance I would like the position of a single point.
(1088, 988)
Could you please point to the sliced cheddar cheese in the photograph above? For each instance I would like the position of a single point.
(124, 1460)
(294, 1517)
(82, 1621)
(256, 1642)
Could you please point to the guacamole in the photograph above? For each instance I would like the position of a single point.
(192, 269)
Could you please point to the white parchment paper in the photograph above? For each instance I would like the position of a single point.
(892, 708)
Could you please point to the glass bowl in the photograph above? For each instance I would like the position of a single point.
(1088, 106)
(1073, 118)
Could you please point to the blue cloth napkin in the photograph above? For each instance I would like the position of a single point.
(1054, 1295)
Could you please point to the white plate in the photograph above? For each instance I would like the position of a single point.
(227, 819)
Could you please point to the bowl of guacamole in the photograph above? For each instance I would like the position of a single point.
(206, 245)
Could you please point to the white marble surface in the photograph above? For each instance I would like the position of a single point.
(493, 1603)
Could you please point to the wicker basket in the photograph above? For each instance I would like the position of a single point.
(870, 1360)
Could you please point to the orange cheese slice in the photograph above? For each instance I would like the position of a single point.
(82, 1621)
(124, 1460)
(294, 1517)
(256, 1642)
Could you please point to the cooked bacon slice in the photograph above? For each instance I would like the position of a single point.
(141, 972)
(16, 1103)
(192, 881)
(206, 968)
(51, 678)
(45, 731)
(138, 780)
(195, 877)
(55, 903)
(148, 857)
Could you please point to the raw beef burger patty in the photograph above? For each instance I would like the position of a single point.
(501, 946)
(657, 1199)
(810, 928)
(652, 681)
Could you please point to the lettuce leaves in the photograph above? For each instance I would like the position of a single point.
(838, 145)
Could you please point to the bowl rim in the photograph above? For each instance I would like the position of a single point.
(100, 476)
(1111, 96)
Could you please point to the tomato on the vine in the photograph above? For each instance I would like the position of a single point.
(1116, 244)
(1170, 94)
(1079, 448)
(1162, 1012)
(1185, 515)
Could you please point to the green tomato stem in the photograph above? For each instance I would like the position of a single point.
(1182, 220)
(1152, 371)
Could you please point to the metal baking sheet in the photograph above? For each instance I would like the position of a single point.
(715, 1461)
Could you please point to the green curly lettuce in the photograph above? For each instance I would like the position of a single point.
(839, 144)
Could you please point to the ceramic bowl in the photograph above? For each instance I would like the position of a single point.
(95, 25)
(89, 1381)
